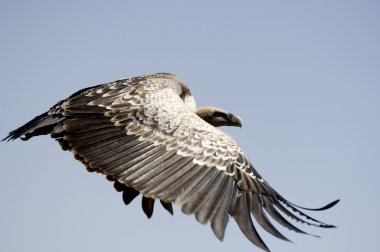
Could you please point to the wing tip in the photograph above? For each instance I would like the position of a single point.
(167, 206)
(327, 206)
(12, 136)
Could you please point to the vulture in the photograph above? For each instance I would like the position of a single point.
(146, 135)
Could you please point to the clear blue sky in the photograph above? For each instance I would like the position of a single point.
(303, 75)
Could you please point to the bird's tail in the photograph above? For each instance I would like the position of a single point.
(43, 124)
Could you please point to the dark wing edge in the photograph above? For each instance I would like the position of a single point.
(48, 122)
(40, 125)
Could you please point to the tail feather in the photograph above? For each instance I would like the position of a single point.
(43, 124)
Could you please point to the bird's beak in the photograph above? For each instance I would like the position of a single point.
(237, 121)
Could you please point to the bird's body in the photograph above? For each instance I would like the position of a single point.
(147, 136)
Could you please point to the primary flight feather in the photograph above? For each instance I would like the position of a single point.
(146, 135)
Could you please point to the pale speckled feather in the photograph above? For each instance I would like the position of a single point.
(144, 134)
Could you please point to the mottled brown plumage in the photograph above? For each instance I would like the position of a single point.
(146, 135)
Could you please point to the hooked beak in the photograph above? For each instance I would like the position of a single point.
(236, 121)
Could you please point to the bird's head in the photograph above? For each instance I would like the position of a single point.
(218, 117)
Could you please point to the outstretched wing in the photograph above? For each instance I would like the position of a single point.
(141, 134)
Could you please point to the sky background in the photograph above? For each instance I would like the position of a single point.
(303, 75)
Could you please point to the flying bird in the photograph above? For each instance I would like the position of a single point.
(146, 135)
